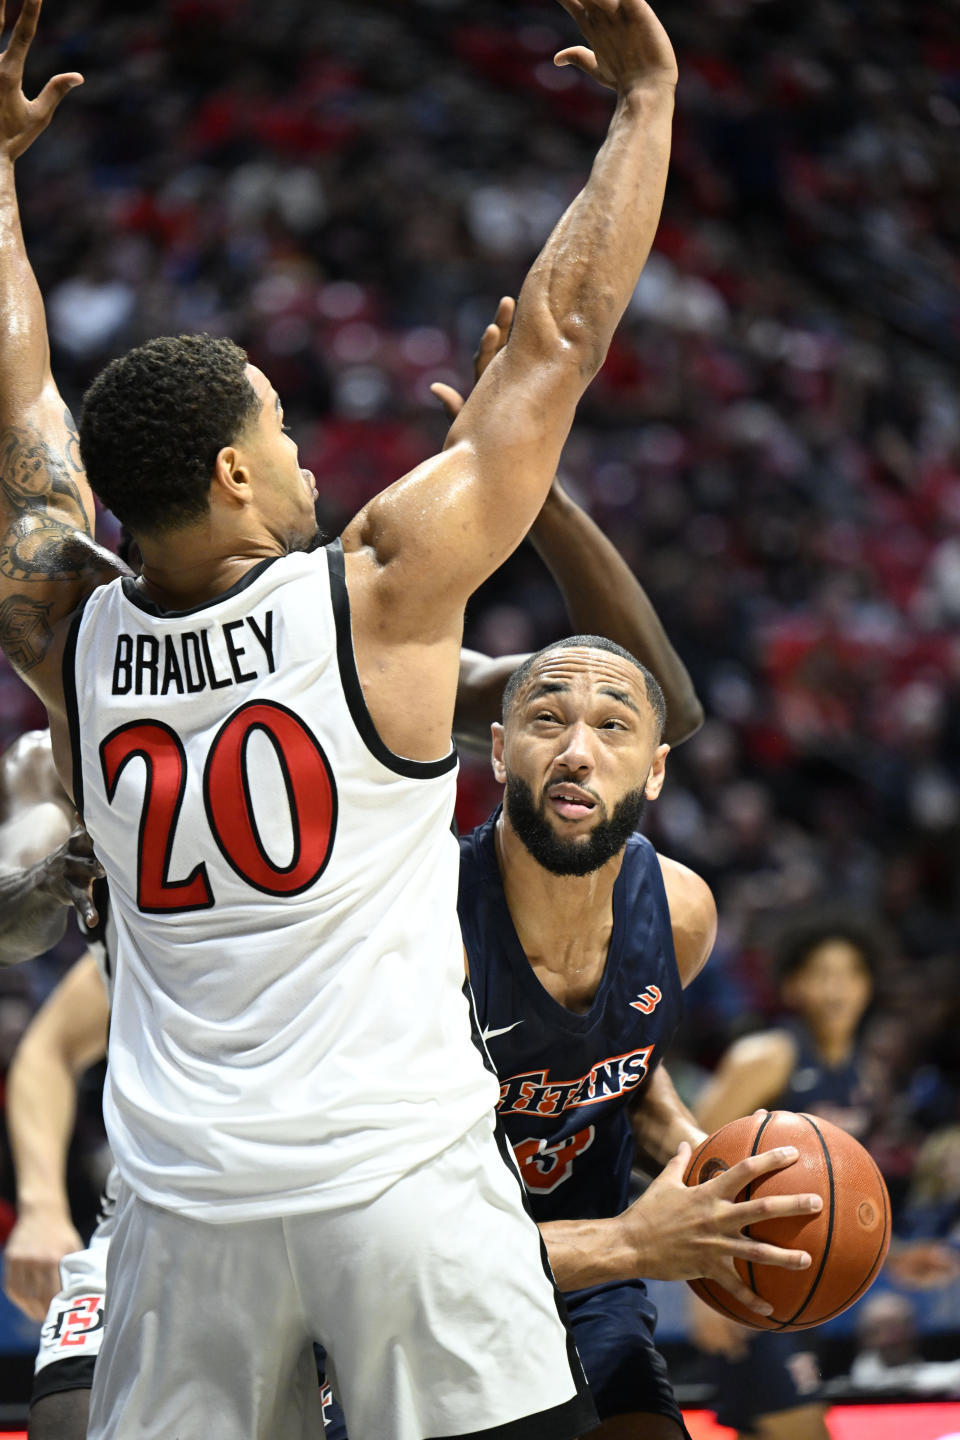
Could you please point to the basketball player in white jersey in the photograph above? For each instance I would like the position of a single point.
(258, 741)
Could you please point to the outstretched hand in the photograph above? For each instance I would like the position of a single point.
(22, 120)
(626, 48)
(492, 342)
(696, 1232)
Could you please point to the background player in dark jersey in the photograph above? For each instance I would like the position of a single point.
(768, 1384)
(579, 939)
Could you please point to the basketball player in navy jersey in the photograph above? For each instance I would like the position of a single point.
(292, 1089)
(768, 1384)
(579, 940)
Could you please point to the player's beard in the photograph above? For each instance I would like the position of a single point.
(570, 857)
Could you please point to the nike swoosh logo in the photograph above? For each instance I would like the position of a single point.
(486, 1034)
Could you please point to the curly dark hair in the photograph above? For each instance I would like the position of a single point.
(153, 423)
(864, 933)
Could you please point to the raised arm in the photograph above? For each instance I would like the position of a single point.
(418, 550)
(66, 1036)
(48, 559)
(601, 593)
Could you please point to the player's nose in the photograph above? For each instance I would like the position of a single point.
(577, 752)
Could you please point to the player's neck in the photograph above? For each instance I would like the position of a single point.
(192, 566)
(833, 1047)
(559, 916)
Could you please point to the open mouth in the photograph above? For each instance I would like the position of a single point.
(570, 802)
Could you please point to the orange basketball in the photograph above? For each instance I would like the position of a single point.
(847, 1240)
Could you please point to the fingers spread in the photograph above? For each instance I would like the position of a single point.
(579, 56)
(24, 31)
(505, 312)
(574, 8)
(777, 1207)
(450, 399)
(734, 1286)
(757, 1253)
(731, 1182)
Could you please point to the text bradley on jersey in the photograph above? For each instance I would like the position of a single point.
(194, 660)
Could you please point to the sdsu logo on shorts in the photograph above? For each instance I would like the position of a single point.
(76, 1327)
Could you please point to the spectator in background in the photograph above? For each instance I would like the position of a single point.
(784, 388)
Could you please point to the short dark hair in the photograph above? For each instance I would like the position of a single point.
(588, 642)
(805, 935)
(154, 421)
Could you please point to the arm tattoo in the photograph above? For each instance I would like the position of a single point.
(72, 449)
(44, 536)
(24, 632)
(45, 514)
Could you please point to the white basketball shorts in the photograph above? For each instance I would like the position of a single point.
(434, 1303)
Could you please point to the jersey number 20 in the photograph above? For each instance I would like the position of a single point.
(310, 792)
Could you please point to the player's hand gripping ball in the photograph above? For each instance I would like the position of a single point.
(847, 1240)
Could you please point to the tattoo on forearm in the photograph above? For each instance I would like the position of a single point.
(25, 634)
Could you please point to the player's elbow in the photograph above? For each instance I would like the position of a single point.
(684, 718)
(570, 330)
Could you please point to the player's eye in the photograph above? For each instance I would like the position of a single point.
(613, 725)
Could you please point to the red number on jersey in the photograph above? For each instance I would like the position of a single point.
(310, 790)
(544, 1167)
(310, 795)
(162, 752)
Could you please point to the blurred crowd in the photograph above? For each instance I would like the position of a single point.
(774, 443)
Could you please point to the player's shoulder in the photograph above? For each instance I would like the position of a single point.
(770, 1052)
(693, 916)
(477, 854)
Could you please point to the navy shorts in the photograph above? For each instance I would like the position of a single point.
(779, 1373)
(613, 1326)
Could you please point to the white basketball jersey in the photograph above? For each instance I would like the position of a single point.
(289, 1031)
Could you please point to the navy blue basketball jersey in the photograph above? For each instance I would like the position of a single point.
(566, 1079)
(837, 1093)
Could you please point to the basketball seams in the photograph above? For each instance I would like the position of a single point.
(878, 1258)
(791, 1320)
(707, 1286)
(749, 1191)
(742, 1137)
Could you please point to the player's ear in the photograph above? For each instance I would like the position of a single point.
(658, 770)
(231, 478)
(496, 753)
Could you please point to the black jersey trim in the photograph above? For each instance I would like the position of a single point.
(135, 595)
(73, 1373)
(350, 680)
(69, 669)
